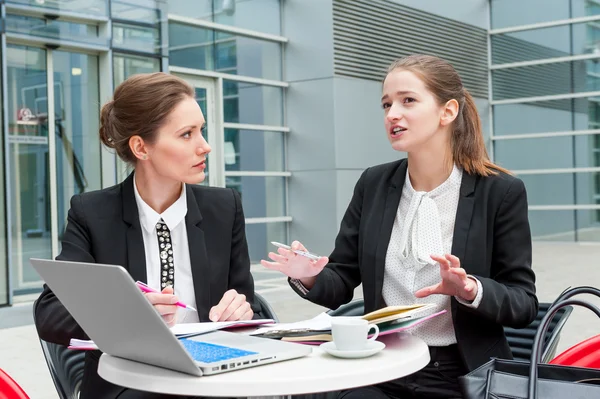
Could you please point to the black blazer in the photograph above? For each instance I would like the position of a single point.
(491, 238)
(104, 227)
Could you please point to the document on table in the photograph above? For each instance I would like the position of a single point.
(321, 322)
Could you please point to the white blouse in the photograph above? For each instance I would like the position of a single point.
(424, 226)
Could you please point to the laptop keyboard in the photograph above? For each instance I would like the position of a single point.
(210, 353)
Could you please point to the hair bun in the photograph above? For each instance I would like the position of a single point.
(106, 128)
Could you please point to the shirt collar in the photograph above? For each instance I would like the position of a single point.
(172, 216)
(452, 182)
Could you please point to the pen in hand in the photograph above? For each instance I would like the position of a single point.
(144, 287)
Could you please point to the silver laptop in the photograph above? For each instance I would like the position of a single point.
(114, 313)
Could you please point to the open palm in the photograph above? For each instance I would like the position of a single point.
(293, 265)
(454, 280)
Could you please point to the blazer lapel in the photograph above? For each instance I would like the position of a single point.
(392, 201)
(136, 256)
(198, 255)
(464, 213)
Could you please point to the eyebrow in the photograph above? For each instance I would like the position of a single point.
(399, 92)
(181, 129)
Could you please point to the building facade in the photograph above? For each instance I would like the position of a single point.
(290, 90)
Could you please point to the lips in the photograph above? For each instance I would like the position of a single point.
(201, 164)
(396, 130)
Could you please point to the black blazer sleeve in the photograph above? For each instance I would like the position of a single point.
(509, 292)
(336, 283)
(240, 278)
(54, 323)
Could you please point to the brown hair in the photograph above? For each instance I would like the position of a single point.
(140, 106)
(442, 80)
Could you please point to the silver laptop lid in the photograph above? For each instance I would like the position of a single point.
(108, 306)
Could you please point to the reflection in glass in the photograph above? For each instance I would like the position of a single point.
(545, 80)
(92, 7)
(77, 115)
(536, 44)
(505, 13)
(136, 38)
(564, 225)
(254, 150)
(126, 65)
(252, 103)
(261, 196)
(260, 235)
(54, 29)
(258, 15)
(546, 152)
(136, 10)
(29, 183)
(545, 116)
(199, 48)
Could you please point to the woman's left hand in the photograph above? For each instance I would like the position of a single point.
(232, 307)
(454, 280)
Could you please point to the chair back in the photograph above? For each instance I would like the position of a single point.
(66, 368)
(267, 310)
(9, 389)
(521, 340)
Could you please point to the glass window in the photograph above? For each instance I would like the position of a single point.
(252, 103)
(254, 150)
(546, 116)
(136, 38)
(92, 7)
(560, 225)
(545, 153)
(545, 80)
(127, 65)
(260, 235)
(148, 11)
(258, 15)
(575, 188)
(557, 41)
(199, 48)
(77, 121)
(505, 13)
(262, 196)
(54, 29)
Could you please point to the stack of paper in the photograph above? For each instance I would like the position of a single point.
(184, 330)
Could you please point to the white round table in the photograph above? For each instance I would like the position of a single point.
(318, 372)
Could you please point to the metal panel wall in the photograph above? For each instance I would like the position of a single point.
(371, 34)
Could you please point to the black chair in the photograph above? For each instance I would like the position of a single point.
(66, 365)
(66, 368)
(267, 311)
(520, 340)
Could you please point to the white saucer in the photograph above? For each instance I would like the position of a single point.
(372, 348)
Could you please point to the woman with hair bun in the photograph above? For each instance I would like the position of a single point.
(186, 240)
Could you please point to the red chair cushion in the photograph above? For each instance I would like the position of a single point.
(9, 389)
(584, 354)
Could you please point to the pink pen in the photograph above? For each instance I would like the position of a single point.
(146, 288)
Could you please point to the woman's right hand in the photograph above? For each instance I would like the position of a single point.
(296, 266)
(164, 303)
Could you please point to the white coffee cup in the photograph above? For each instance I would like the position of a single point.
(350, 333)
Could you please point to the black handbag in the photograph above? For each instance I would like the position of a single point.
(513, 379)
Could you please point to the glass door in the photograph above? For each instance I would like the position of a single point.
(205, 91)
(28, 184)
(53, 150)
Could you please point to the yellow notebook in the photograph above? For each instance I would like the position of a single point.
(395, 312)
